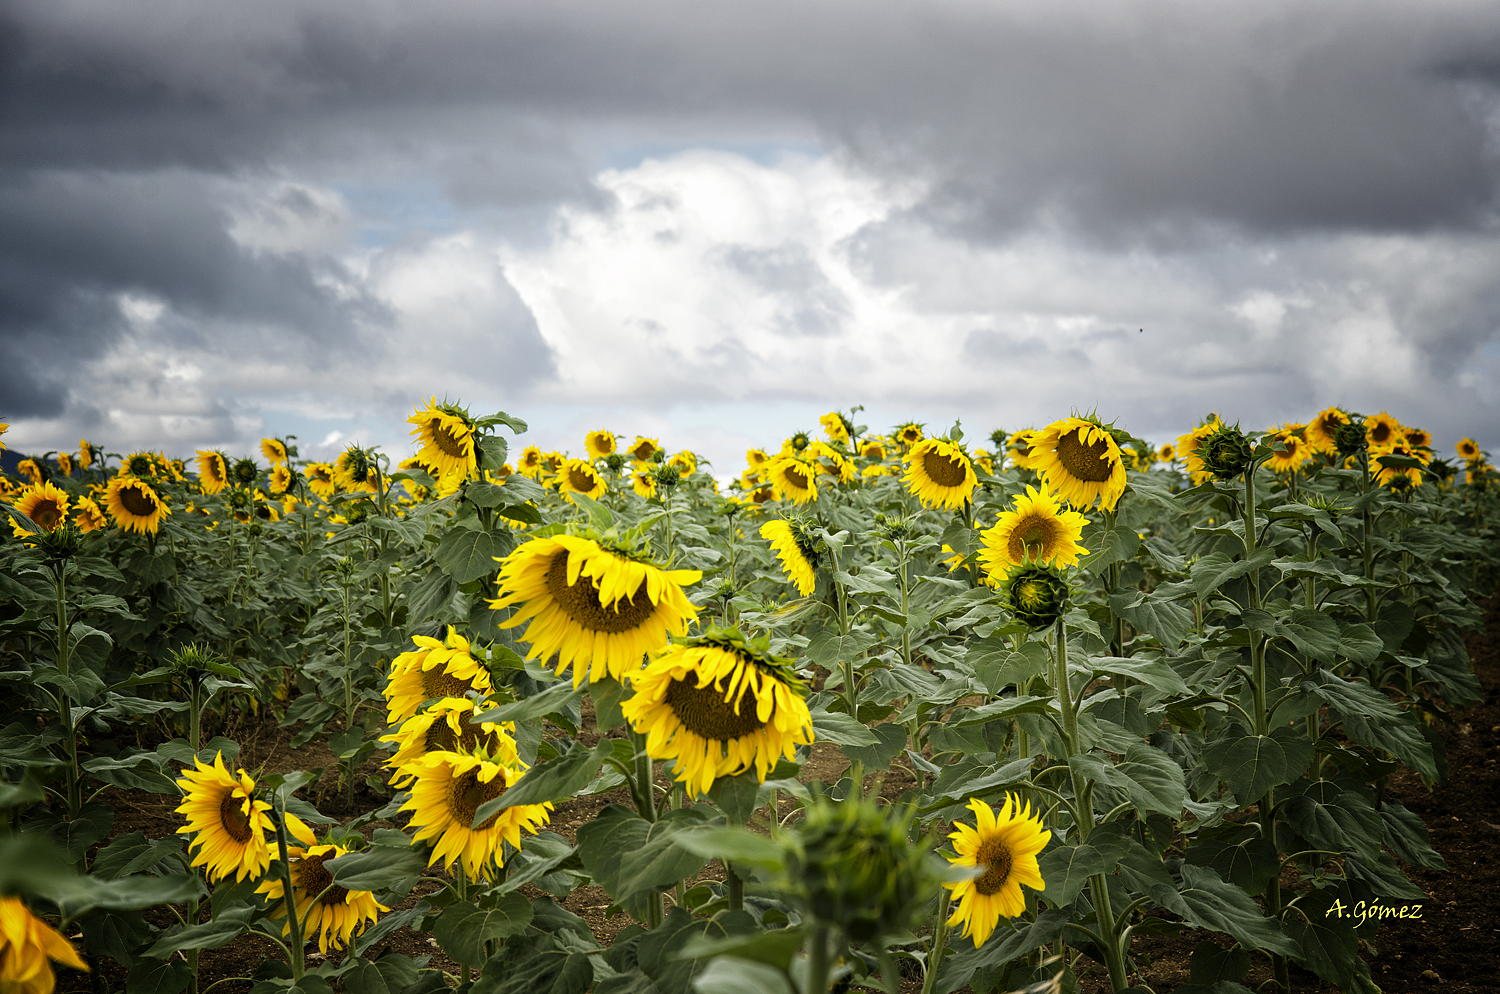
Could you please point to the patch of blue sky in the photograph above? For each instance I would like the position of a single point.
(389, 214)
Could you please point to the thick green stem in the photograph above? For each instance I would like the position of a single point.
(65, 700)
(939, 941)
(817, 960)
(294, 923)
(736, 888)
(1114, 955)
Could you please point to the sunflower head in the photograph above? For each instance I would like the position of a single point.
(228, 823)
(87, 453)
(1350, 438)
(872, 448)
(1080, 459)
(1037, 596)
(756, 458)
(140, 464)
(1467, 448)
(1166, 453)
(135, 505)
(245, 471)
(799, 441)
(797, 549)
(908, 434)
(1037, 529)
(854, 866)
(44, 504)
(63, 542)
(644, 449)
(26, 944)
(1225, 452)
(837, 427)
(666, 476)
(600, 443)
(281, 478)
(274, 449)
(940, 474)
(1323, 428)
(1001, 851)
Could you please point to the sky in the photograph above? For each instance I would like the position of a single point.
(710, 223)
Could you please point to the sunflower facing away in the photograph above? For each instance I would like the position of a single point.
(1037, 529)
(796, 550)
(447, 437)
(940, 474)
(446, 797)
(432, 670)
(26, 944)
(1080, 460)
(134, 505)
(578, 476)
(445, 726)
(274, 449)
(718, 706)
(599, 444)
(600, 611)
(44, 504)
(354, 469)
(324, 908)
(1006, 846)
(835, 427)
(213, 471)
(88, 517)
(1187, 449)
(231, 825)
(793, 478)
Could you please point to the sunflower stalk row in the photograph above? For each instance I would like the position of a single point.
(928, 711)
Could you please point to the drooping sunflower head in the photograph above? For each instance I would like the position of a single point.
(940, 474)
(88, 517)
(230, 824)
(578, 476)
(320, 479)
(135, 506)
(280, 480)
(1038, 529)
(793, 478)
(836, 427)
(797, 550)
(719, 705)
(32, 470)
(1323, 428)
(44, 504)
(335, 915)
(213, 471)
(1037, 596)
(1225, 452)
(433, 670)
(1468, 448)
(853, 864)
(64, 464)
(600, 443)
(1080, 460)
(1189, 449)
(447, 726)
(448, 791)
(274, 449)
(872, 448)
(596, 609)
(88, 454)
(446, 433)
(1005, 847)
(356, 468)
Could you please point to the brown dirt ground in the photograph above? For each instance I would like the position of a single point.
(1455, 947)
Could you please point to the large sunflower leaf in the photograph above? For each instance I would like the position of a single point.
(1209, 902)
(1066, 869)
(463, 929)
(629, 856)
(557, 778)
(467, 554)
(841, 729)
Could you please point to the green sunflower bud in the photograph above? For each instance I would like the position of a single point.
(1038, 596)
(1225, 453)
(801, 441)
(1350, 437)
(238, 498)
(997, 439)
(667, 476)
(358, 511)
(244, 471)
(194, 659)
(615, 461)
(59, 544)
(855, 867)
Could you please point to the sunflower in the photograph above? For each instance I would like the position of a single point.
(1037, 529)
(320, 479)
(85, 453)
(1322, 430)
(685, 461)
(231, 824)
(64, 464)
(643, 482)
(280, 479)
(940, 474)
(985, 461)
(644, 449)
(1006, 846)
(1381, 431)
(135, 506)
(872, 448)
(796, 550)
(1468, 448)
(29, 469)
(324, 908)
(878, 469)
(835, 427)
(265, 508)
(1392, 476)
(907, 435)
(4, 427)
(447, 436)
(445, 726)
(1298, 453)
(832, 461)
(274, 449)
(1188, 449)
(761, 495)
(432, 670)
(1080, 460)
(756, 458)
(88, 517)
(213, 471)
(26, 944)
(447, 795)
(718, 705)
(530, 463)
(1417, 439)
(46, 505)
(600, 611)
(1022, 448)
(599, 444)
(793, 478)
(1167, 453)
(578, 476)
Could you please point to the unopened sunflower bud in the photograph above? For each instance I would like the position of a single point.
(1038, 596)
(59, 544)
(244, 471)
(1350, 438)
(615, 461)
(1225, 453)
(856, 867)
(667, 476)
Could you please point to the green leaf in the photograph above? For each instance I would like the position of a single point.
(1208, 902)
(1326, 570)
(547, 971)
(1066, 869)
(1154, 781)
(730, 842)
(1326, 943)
(774, 948)
(629, 856)
(736, 976)
(1248, 863)
(1313, 633)
(1384, 877)
(828, 648)
(553, 700)
(1216, 569)
(1160, 616)
(134, 853)
(735, 796)
(1332, 815)
(463, 929)
(557, 778)
(998, 666)
(221, 930)
(1372, 720)
(1152, 672)
(466, 554)
(379, 868)
(892, 739)
(1359, 643)
(1253, 764)
(841, 729)
(1406, 834)
(153, 976)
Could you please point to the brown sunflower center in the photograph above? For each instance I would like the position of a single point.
(440, 738)
(1033, 534)
(313, 877)
(441, 683)
(1084, 462)
(580, 602)
(762, 495)
(47, 514)
(233, 818)
(580, 480)
(467, 793)
(995, 858)
(643, 451)
(446, 439)
(795, 477)
(1380, 433)
(135, 500)
(942, 469)
(703, 711)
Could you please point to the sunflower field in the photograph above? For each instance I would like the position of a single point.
(887, 711)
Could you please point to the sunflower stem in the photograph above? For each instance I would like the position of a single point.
(65, 700)
(1114, 953)
(939, 941)
(817, 960)
(645, 781)
(293, 922)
